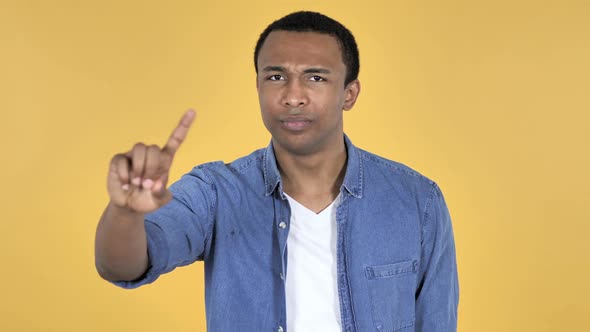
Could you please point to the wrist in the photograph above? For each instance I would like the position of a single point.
(123, 211)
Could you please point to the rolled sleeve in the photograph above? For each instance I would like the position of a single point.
(178, 233)
(158, 257)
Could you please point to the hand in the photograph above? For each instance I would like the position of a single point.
(137, 179)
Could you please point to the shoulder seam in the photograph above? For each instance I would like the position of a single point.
(245, 166)
(390, 164)
(212, 208)
(430, 200)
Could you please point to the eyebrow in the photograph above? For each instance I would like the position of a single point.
(306, 71)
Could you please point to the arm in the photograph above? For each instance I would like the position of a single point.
(437, 296)
(121, 245)
(137, 185)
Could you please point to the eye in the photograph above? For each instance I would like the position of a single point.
(275, 77)
(317, 78)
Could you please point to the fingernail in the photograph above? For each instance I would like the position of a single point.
(157, 186)
(136, 181)
(147, 183)
(125, 187)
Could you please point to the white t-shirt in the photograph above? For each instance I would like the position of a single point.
(311, 283)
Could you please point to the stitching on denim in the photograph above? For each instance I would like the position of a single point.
(245, 164)
(373, 274)
(391, 270)
(212, 206)
(347, 260)
(404, 325)
(376, 322)
(361, 170)
(370, 279)
(429, 203)
(393, 165)
(341, 214)
(423, 222)
(264, 172)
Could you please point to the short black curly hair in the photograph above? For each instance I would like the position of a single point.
(306, 21)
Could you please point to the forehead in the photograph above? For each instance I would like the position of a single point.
(300, 48)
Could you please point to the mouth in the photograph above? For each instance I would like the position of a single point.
(295, 124)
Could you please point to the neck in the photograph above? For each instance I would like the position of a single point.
(318, 174)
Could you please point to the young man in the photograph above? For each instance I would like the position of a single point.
(310, 233)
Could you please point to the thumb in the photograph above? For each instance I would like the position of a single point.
(159, 191)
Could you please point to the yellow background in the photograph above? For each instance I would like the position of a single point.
(488, 98)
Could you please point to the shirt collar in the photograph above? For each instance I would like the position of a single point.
(353, 179)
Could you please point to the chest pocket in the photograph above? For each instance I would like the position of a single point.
(392, 290)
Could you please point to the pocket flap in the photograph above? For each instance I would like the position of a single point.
(390, 270)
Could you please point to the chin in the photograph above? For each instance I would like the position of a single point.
(294, 144)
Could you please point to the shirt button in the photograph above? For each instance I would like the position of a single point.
(282, 225)
(280, 329)
(282, 276)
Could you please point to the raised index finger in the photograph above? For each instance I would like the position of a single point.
(179, 133)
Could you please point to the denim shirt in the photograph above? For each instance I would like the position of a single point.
(396, 265)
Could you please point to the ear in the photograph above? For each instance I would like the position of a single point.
(351, 92)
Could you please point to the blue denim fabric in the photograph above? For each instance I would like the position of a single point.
(396, 263)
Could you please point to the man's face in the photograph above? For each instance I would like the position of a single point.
(301, 91)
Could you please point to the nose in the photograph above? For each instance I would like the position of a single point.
(294, 94)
